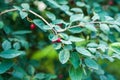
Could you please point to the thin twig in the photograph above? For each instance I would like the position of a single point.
(6, 11)
(30, 11)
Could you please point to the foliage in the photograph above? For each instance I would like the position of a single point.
(80, 33)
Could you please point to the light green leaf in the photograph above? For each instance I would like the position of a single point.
(75, 39)
(25, 6)
(23, 14)
(51, 16)
(77, 10)
(39, 23)
(76, 17)
(75, 59)
(57, 46)
(1, 24)
(115, 47)
(16, 45)
(46, 27)
(8, 54)
(5, 65)
(76, 30)
(91, 63)
(6, 45)
(31, 70)
(64, 56)
(91, 27)
(80, 4)
(22, 32)
(75, 74)
(95, 17)
(66, 41)
(83, 51)
(64, 36)
(40, 76)
(105, 28)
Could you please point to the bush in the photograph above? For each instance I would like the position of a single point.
(82, 34)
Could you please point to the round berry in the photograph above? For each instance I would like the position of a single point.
(32, 26)
(60, 24)
(58, 40)
(110, 2)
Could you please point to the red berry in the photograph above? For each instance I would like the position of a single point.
(32, 26)
(58, 40)
(60, 24)
(60, 76)
(110, 2)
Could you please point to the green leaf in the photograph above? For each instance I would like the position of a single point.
(39, 23)
(105, 28)
(83, 51)
(25, 6)
(75, 74)
(65, 7)
(6, 45)
(57, 46)
(46, 27)
(51, 16)
(76, 30)
(8, 54)
(31, 70)
(80, 4)
(64, 56)
(23, 14)
(77, 10)
(64, 36)
(76, 17)
(16, 45)
(91, 63)
(40, 76)
(5, 65)
(75, 59)
(91, 27)
(1, 24)
(22, 32)
(115, 47)
(18, 8)
(116, 27)
(18, 72)
(66, 42)
(95, 17)
(75, 39)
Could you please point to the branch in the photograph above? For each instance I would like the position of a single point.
(6, 11)
(30, 11)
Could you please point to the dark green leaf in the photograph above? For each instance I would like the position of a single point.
(1, 24)
(8, 54)
(5, 65)
(75, 74)
(75, 59)
(91, 63)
